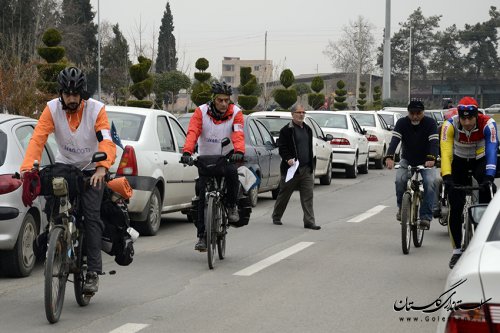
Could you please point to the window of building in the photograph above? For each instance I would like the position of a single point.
(228, 68)
(256, 68)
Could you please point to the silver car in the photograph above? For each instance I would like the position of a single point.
(19, 225)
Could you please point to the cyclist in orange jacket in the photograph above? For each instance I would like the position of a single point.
(81, 128)
(212, 122)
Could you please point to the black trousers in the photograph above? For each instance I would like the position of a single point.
(232, 187)
(459, 170)
(91, 206)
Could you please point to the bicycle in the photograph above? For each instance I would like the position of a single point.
(65, 250)
(410, 209)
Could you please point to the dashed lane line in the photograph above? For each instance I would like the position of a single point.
(129, 328)
(250, 270)
(369, 213)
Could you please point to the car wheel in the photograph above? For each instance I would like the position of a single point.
(254, 195)
(327, 179)
(152, 224)
(352, 170)
(19, 261)
(363, 169)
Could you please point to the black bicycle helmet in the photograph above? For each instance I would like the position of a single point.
(221, 88)
(72, 81)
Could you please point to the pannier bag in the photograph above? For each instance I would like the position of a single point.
(211, 165)
(73, 176)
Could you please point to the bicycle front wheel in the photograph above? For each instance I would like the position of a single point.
(222, 231)
(406, 222)
(211, 229)
(81, 270)
(468, 232)
(417, 233)
(56, 274)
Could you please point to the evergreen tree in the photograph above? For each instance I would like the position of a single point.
(201, 90)
(362, 96)
(340, 96)
(166, 60)
(53, 54)
(115, 64)
(143, 83)
(286, 97)
(247, 99)
(316, 100)
(80, 38)
(377, 98)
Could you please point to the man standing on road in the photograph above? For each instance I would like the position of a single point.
(295, 146)
(419, 139)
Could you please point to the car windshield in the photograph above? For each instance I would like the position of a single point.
(439, 116)
(389, 118)
(128, 126)
(365, 119)
(3, 147)
(274, 124)
(330, 120)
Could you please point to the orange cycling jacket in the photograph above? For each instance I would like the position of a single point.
(195, 128)
(46, 126)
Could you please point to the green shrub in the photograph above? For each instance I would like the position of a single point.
(285, 98)
(317, 84)
(287, 78)
(140, 104)
(247, 102)
(200, 93)
(142, 89)
(340, 97)
(201, 64)
(51, 37)
(48, 87)
(51, 54)
(139, 72)
(377, 98)
(315, 100)
(49, 72)
(202, 76)
(250, 86)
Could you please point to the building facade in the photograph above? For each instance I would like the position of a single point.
(231, 70)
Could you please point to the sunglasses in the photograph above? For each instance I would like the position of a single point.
(462, 107)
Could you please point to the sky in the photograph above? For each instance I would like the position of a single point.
(297, 31)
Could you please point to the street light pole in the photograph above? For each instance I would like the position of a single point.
(98, 51)
(409, 70)
(386, 83)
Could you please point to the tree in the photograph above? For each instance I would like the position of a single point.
(143, 83)
(286, 97)
(201, 90)
(362, 96)
(115, 64)
(53, 54)
(316, 99)
(80, 38)
(166, 86)
(340, 96)
(166, 60)
(354, 49)
(248, 85)
(422, 39)
(481, 40)
(377, 98)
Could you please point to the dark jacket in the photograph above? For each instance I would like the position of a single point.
(288, 148)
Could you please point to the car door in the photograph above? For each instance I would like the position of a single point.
(262, 153)
(274, 156)
(168, 160)
(361, 139)
(387, 131)
(189, 173)
(323, 150)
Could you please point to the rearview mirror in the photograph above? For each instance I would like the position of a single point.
(328, 137)
(99, 156)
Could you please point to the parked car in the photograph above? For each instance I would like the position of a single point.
(349, 144)
(472, 294)
(153, 142)
(378, 133)
(19, 225)
(322, 153)
(437, 115)
(184, 119)
(262, 156)
(495, 108)
(391, 117)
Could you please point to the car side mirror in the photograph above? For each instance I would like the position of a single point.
(328, 137)
(99, 156)
(390, 127)
(363, 131)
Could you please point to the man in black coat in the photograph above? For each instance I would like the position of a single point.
(295, 146)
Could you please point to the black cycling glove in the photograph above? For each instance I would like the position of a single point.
(186, 158)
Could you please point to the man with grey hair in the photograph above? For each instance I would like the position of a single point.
(295, 146)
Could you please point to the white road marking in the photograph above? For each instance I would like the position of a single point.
(369, 213)
(129, 328)
(273, 259)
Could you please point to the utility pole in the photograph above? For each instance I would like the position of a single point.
(358, 71)
(98, 52)
(265, 71)
(409, 70)
(386, 83)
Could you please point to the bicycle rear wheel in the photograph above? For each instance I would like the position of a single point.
(81, 270)
(406, 222)
(222, 231)
(56, 274)
(211, 229)
(417, 233)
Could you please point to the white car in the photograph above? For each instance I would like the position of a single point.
(474, 279)
(322, 153)
(19, 225)
(349, 144)
(153, 142)
(495, 108)
(378, 133)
